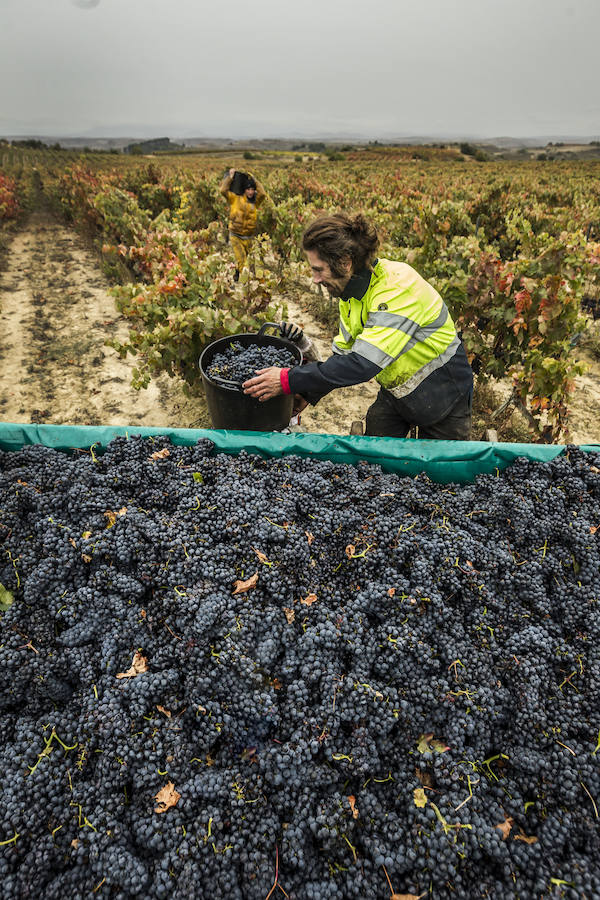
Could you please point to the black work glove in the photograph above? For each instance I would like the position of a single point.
(291, 332)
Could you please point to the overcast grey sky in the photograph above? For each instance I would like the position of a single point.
(269, 68)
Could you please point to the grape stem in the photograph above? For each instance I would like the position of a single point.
(276, 882)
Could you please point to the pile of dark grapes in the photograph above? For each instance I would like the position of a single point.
(230, 677)
(238, 363)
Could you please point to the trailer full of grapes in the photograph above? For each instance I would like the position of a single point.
(247, 665)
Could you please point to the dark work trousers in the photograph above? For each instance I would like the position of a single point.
(386, 418)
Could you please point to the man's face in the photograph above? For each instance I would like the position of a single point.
(322, 274)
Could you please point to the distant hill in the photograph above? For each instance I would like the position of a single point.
(507, 146)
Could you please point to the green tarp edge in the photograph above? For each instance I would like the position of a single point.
(442, 461)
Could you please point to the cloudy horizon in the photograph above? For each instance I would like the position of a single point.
(143, 68)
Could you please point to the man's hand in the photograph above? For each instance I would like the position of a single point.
(265, 384)
(231, 173)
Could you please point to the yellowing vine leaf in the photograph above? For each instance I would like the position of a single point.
(164, 711)
(160, 454)
(350, 551)
(428, 744)
(113, 516)
(6, 598)
(310, 537)
(289, 614)
(309, 600)
(139, 665)
(242, 586)
(167, 798)
(420, 799)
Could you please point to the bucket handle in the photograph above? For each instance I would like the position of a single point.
(266, 325)
(226, 383)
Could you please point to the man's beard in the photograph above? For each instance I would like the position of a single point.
(334, 288)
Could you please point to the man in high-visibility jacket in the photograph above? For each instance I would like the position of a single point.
(242, 216)
(394, 327)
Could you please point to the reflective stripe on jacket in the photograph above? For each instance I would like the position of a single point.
(242, 212)
(400, 324)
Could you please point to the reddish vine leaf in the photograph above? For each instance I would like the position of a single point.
(167, 798)
(310, 537)
(593, 529)
(391, 592)
(353, 806)
(139, 665)
(164, 711)
(309, 600)
(243, 586)
(506, 826)
(525, 838)
(160, 454)
(350, 551)
(289, 614)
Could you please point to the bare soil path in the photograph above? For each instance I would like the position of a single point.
(56, 314)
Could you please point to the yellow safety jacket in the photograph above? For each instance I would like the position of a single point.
(242, 211)
(400, 324)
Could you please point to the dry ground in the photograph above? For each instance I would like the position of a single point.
(56, 314)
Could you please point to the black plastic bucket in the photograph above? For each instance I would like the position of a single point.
(239, 182)
(227, 404)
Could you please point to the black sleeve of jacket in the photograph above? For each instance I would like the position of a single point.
(316, 379)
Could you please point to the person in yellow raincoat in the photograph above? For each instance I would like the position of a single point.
(242, 216)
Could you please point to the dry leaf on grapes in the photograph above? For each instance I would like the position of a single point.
(139, 665)
(167, 798)
(505, 827)
(242, 586)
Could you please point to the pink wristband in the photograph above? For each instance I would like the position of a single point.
(284, 378)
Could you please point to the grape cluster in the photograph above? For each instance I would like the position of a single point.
(231, 677)
(238, 363)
